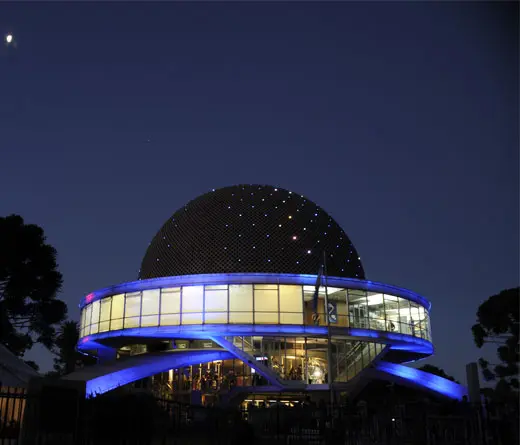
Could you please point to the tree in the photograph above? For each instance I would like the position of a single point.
(29, 284)
(437, 371)
(32, 364)
(497, 323)
(68, 356)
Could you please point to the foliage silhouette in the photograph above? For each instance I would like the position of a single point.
(497, 323)
(437, 371)
(29, 283)
(69, 358)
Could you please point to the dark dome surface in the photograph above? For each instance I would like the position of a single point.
(250, 228)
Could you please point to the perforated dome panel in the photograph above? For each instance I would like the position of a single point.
(250, 228)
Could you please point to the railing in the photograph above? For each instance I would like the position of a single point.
(12, 405)
(122, 418)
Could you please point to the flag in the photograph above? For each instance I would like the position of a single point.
(315, 315)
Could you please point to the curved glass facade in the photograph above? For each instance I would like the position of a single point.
(283, 304)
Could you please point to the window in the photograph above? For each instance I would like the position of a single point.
(291, 304)
(87, 319)
(376, 311)
(417, 319)
(266, 303)
(104, 318)
(151, 302)
(94, 325)
(118, 309)
(192, 318)
(241, 303)
(132, 309)
(392, 313)
(150, 307)
(216, 299)
(358, 308)
(171, 306)
(82, 324)
(192, 299)
(404, 316)
(215, 304)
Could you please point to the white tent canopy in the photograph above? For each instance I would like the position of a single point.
(14, 371)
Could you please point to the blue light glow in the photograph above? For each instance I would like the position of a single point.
(425, 379)
(103, 378)
(255, 278)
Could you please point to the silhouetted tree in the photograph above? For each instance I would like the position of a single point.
(32, 364)
(68, 356)
(497, 322)
(29, 283)
(437, 371)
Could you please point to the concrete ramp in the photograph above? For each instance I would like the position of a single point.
(108, 376)
(415, 378)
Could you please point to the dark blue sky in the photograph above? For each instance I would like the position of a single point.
(399, 119)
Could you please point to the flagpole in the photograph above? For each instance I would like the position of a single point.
(329, 343)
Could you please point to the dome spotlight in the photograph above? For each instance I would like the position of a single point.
(9, 38)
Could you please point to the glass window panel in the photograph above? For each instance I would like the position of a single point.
(116, 324)
(192, 318)
(415, 319)
(95, 312)
(266, 317)
(215, 300)
(291, 318)
(358, 308)
(404, 316)
(106, 304)
(266, 300)
(131, 322)
(392, 313)
(376, 311)
(414, 312)
(240, 297)
(427, 324)
(149, 320)
(104, 326)
(170, 319)
(82, 324)
(215, 317)
(291, 298)
(83, 315)
(94, 328)
(217, 287)
(87, 318)
(192, 297)
(150, 305)
(266, 286)
(171, 301)
(241, 317)
(118, 306)
(339, 297)
(132, 305)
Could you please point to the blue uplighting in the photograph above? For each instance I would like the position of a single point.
(425, 379)
(100, 379)
(254, 278)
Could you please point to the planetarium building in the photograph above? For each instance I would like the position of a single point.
(254, 289)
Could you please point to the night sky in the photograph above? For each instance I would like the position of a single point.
(399, 119)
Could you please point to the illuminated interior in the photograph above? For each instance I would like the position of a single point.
(255, 288)
(255, 304)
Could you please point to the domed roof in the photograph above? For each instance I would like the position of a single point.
(250, 228)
